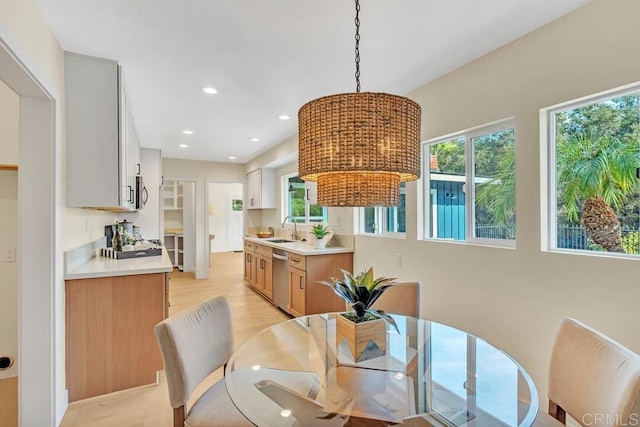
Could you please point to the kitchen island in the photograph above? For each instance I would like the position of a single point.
(112, 307)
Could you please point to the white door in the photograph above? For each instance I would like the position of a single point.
(234, 223)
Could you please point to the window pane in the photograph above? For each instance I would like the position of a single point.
(597, 197)
(495, 185)
(396, 215)
(296, 192)
(447, 197)
(317, 213)
(369, 220)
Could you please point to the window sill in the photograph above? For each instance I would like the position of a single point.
(598, 254)
(482, 243)
(399, 236)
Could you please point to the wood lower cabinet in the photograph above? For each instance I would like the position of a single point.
(110, 339)
(249, 262)
(258, 268)
(264, 275)
(306, 295)
(297, 298)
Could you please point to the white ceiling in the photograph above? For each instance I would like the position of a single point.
(270, 57)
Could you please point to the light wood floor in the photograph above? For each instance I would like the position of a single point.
(9, 402)
(149, 406)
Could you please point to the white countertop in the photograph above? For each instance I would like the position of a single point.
(298, 247)
(99, 266)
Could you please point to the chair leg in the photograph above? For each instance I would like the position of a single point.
(178, 417)
(557, 412)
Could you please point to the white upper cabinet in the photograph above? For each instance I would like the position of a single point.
(101, 143)
(261, 189)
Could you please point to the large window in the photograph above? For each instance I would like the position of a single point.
(594, 194)
(470, 186)
(300, 201)
(385, 221)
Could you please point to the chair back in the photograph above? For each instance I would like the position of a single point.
(194, 343)
(593, 378)
(401, 298)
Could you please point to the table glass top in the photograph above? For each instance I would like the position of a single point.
(295, 374)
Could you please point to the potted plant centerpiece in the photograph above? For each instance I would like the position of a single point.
(320, 231)
(364, 328)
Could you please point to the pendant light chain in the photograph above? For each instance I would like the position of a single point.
(357, 45)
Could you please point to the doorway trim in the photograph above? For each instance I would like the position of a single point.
(42, 398)
(207, 182)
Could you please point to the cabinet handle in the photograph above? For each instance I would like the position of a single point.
(248, 257)
(251, 202)
(138, 164)
(130, 199)
(307, 194)
(300, 280)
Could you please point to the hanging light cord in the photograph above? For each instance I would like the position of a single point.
(358, 46)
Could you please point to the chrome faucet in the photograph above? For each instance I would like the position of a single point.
(294, 235)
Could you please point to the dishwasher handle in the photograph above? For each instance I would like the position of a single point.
(281, 257)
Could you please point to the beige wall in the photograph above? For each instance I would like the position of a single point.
(9, 125)
(517, 298)
(8, 271)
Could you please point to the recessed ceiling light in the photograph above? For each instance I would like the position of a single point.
(187, 132)
(232, 157)
(183, 145)
(283, 117)
(210, 90)
(255, 139)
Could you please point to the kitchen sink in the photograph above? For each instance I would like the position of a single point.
(279, 240)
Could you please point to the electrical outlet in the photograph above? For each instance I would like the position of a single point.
(398, 260)
(9, 255)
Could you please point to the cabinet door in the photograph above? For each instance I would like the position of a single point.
(267, 271)
(248, 258)
(253, 189)
(259, 279)
(297, 285)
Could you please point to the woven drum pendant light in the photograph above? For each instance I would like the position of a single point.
(359, 146)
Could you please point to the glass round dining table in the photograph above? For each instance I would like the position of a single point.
(296, 374)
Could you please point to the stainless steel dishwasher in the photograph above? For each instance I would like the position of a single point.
(281, 279)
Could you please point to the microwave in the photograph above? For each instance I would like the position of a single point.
(142, 195)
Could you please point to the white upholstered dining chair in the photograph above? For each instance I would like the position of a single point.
(401, 298)
(193, 344)
(592, 378)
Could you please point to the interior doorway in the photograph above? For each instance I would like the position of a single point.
(40, 291)
(225, 216)
(235, 222)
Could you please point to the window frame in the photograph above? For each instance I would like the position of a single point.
(548, 170)
(469, 188)
(381, 214)
(284, 187)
